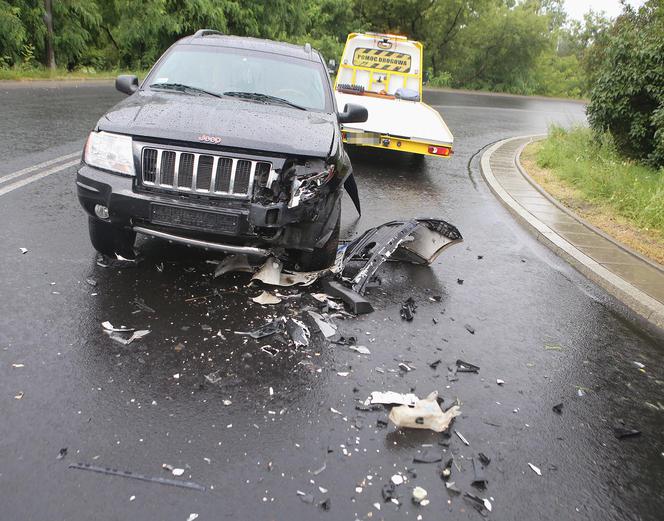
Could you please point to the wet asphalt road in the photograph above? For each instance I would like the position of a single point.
(539, 325)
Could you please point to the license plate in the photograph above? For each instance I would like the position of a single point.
(362, 138)
(197, 219)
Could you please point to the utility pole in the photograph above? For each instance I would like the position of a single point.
(48, 20)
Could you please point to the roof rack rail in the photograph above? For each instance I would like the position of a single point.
(207, 32)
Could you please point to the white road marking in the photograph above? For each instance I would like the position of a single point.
(19, 173)
(6, 189)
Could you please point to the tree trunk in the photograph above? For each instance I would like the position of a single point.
(48, 20)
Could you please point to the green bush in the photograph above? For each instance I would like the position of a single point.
(593, 164)
(628, 98)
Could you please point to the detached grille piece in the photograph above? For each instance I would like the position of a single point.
(201, 173)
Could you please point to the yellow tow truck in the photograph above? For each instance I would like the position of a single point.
(383, 72)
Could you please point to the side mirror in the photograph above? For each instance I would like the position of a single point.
(127, 83)
(353, 114)
(332, 66)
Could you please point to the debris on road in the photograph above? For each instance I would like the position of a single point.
(298, 332)
(624, 432)
(214, 377)
(479, 478)
(428, 457)
(558, 408)
(61, 453)
(424, 414)
(192, 516)
(535, 469)
(122, 329)
(420, 496)
(408, 309)
(391, 398)
(91, 282)
(462, 438)
(446, 470)
(465, 367)
(23, 250)
(479, 503)
(500, 382)
(133, 475)
(266, 298)
(484, 458)
(270, 328)
(470, 329)
(233, 262)
(325, 325)
(360, 349)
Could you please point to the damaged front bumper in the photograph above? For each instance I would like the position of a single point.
(229, 225)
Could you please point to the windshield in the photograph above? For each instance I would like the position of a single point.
(220, 70)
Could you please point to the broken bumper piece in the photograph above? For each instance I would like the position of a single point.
(419, 241)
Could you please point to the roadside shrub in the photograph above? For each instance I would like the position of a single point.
(628, 98)
(444, 79)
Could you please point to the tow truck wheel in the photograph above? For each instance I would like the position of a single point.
(324, 257)
(110, 239)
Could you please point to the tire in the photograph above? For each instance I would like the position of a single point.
(324, 257)
(110, 239)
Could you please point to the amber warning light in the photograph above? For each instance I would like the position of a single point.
(440, 151)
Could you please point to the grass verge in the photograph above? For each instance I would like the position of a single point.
(62, 74)
(587, 175)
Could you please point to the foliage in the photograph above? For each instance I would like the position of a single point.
(593, 164)
(628, 98)
(519, 46)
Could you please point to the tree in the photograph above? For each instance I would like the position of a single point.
(48, 21)
(628, 98)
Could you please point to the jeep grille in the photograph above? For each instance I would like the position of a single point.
(201, 173)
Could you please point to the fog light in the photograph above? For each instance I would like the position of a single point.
(101, 211)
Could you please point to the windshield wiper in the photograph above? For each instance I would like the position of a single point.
(265, 98)
(181, 87)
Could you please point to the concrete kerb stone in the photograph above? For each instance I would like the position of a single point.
(643, 304)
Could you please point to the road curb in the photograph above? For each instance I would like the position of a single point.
(643, 304)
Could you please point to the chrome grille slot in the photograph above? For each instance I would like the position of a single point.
(242, 176)
(223, 180)
(202, 173)
(186, 171)
(150, 165)
(167, 168)
(204, 176)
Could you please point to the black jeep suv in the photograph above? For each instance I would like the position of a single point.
(231, 144)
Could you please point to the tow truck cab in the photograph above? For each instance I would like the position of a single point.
(384, 73)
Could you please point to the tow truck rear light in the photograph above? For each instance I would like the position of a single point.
(440, 151)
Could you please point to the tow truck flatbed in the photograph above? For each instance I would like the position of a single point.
(384, 74)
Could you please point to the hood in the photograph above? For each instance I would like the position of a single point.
(240, 124)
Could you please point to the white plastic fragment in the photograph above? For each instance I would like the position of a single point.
(391, 398)
(397, 479)
(266, 298)
(425, 414)
(18, 366)
(122, 329)
(192, 516)
(177, 472)
(326, 326)
(376, 506)
(639, 365)
(535, 469)
(419, 495)
(499, 381)
(464, 440)
(360, 349)
(23, 250)
(487, 504)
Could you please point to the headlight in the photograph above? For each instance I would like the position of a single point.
(111, 152)
(305, 186)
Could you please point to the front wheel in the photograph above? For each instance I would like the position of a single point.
(111, 239)
(323, 257)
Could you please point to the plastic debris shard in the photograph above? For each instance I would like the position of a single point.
(462, 438)
(363, 350)
(446, 470)
(408, 309)
(428, 457)
(135, 475)
(122, 329)
(23, 251)
(325, 325)
(266, 298)
(424, 414)
(535, 469)
(391, 398)
(298, 332)
(267, 329)
(623, 432)
(233, 262)
(465, 367)
(558, 408)
(419, 495)
(479, 478)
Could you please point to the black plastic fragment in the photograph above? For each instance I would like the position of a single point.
(388, 492)
(428, 457)
(325, 504)
(381, 423)
(477, 502)
(356, 302)
(479, 478)
(306, 498)
(558, 408)
(62, 453)
(484, 459)
(134, 475)
(407, 309)
(465, 367)
(435, 363)
(470, 329)
(623, 432)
